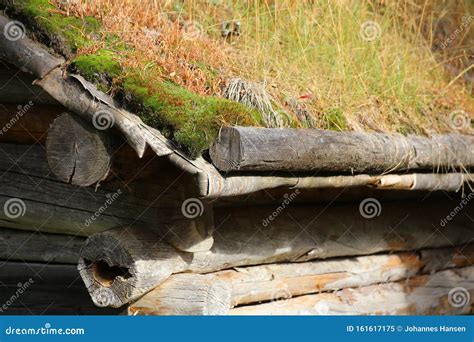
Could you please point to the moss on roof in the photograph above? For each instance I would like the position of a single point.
(351, 65)
(189, 119)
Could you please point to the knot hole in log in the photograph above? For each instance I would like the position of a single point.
(105, 274)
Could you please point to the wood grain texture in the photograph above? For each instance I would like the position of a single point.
(270, 282)
(119, 265)
(39, 247)
(298, 234)
(420, 295)
(185, 294)
(77, 152)
(268, 149)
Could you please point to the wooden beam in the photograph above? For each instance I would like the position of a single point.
(119, 265)
(16, 87)
(296, 234)
(271, 282)
(44, 289)
(269, 149)
(20, 124)
(39, 247)
(77, 152)
(185, 294)
(449, 292)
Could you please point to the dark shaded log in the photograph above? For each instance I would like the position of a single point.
(268, 149)
(16, 87)
(26, 124)
(294, 234)
(44, 289)
(119, 265)
(77, 152)
(272, 282)
(185, 294)
(40, 247)
(449, 292)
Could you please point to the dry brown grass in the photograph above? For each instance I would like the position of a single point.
(309, 54)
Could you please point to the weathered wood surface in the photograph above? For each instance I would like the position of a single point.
(39, 247)
(268, 149)
(185, 294)
(119, 265)
(16, 87)
(25, 54)
(271, 282)
(297, 234)
(449, 292)
(49, 205)
(44, 289)
(134, 196)
(77, 152)
(28, 124)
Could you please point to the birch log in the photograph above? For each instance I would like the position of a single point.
(449, 292)
(270, 149)
(297, 234)
(185, 294)
(40, 247)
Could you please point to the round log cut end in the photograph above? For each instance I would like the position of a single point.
(186, 294)
(120, 265)
(77, 152)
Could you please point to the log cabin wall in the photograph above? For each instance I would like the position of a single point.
(245, 252)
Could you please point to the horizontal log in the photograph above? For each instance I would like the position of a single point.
(56, 207)
(44, 289)
(185, 294)
(135, 260)
(28, 124)
(271, 282)
(39, 247)
(449, 292)
(269, 149)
